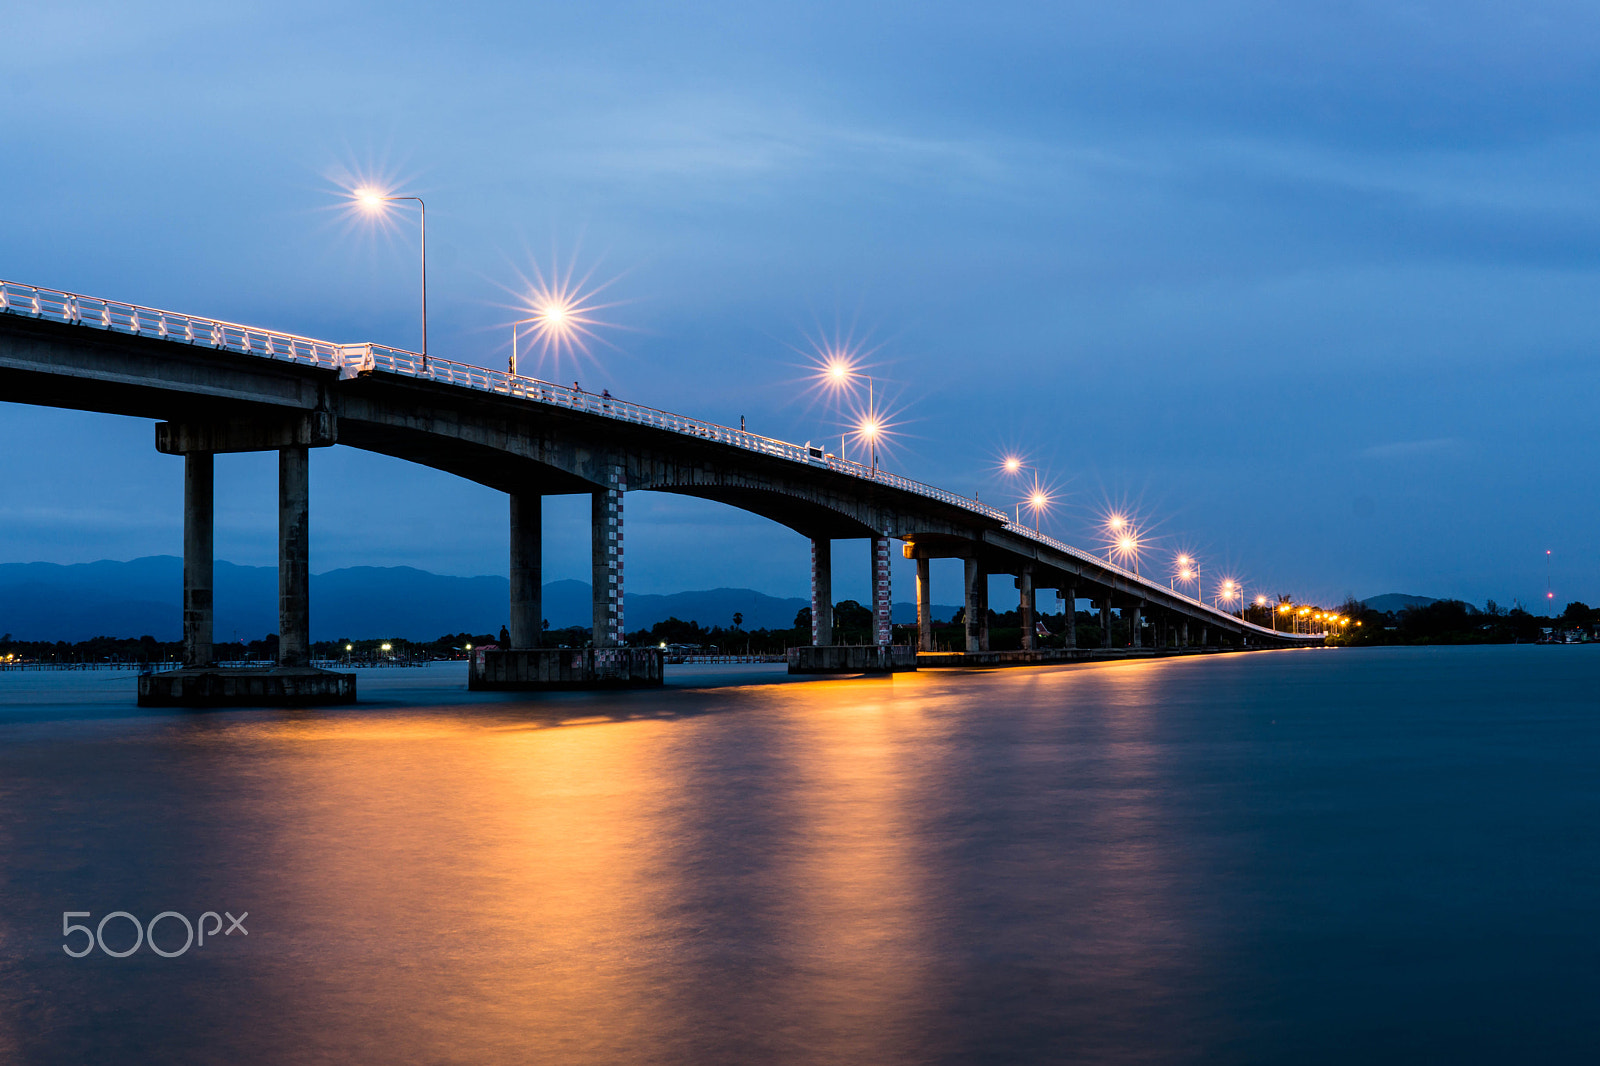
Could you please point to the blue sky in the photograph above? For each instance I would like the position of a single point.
(1311, 287)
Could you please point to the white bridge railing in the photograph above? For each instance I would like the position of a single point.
(351, 360)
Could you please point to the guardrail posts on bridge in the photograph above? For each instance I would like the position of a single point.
(294, 558)
(924, 607)
(198, 511)
(606, 557)
(527, 548)
(821, 592)
(882, 602)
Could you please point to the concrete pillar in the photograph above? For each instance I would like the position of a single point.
(1105, 621)
(1205, 636)
(983, 609)
(924, 608)
(1025, 608)
(1183, 636)
(882, 601)
(1070, 595)
(527, 575)
(294, 556)
(198, 515)
(821, 592)
(976, 609)
(1135, 632)
(605, 528)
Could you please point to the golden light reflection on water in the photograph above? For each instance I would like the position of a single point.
(777, 875)
(857, 883)
(514, 876)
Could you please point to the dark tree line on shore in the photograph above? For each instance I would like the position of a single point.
(1456, 622)
(1441, 622)
(95, 650)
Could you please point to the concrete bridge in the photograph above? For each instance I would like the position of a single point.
(222, 387)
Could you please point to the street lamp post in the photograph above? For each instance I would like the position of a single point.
(512, 366)
(872, 414)
(374, 201)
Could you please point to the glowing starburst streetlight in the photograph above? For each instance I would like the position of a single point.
(1230, 590)
(1125, 548)
(375, 201)
(564, 314)
(1122, 540)
(553, 325)
(871, 425)
(869, 429)
(1012, 464)
(836, 363)
(837, 371)
(1038, 502)
(1186, 569)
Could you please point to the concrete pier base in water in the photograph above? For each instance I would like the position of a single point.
(852, 659)
(282, 686)
(533, 669)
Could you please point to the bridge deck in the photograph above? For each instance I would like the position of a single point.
(992, 529)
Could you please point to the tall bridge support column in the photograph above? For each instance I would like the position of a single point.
(1025, 607)
(606, 560)
(1205, 636)
(1183, 636)
(294, 556)
(983, 609)
(924, 608)
(293, 682)
(1069, 596)
(821, 592)
(1105, 621)
(1135, 624)
(975, 590)
(527, 575)
(198, 520)
(882, 601)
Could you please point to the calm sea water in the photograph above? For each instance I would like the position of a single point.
(1384, 855)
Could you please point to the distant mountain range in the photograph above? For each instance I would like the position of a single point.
(48, 601)
(1391, 602)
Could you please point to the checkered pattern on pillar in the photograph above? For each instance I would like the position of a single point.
(816, 601)
(881, 603)
(616, 486)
